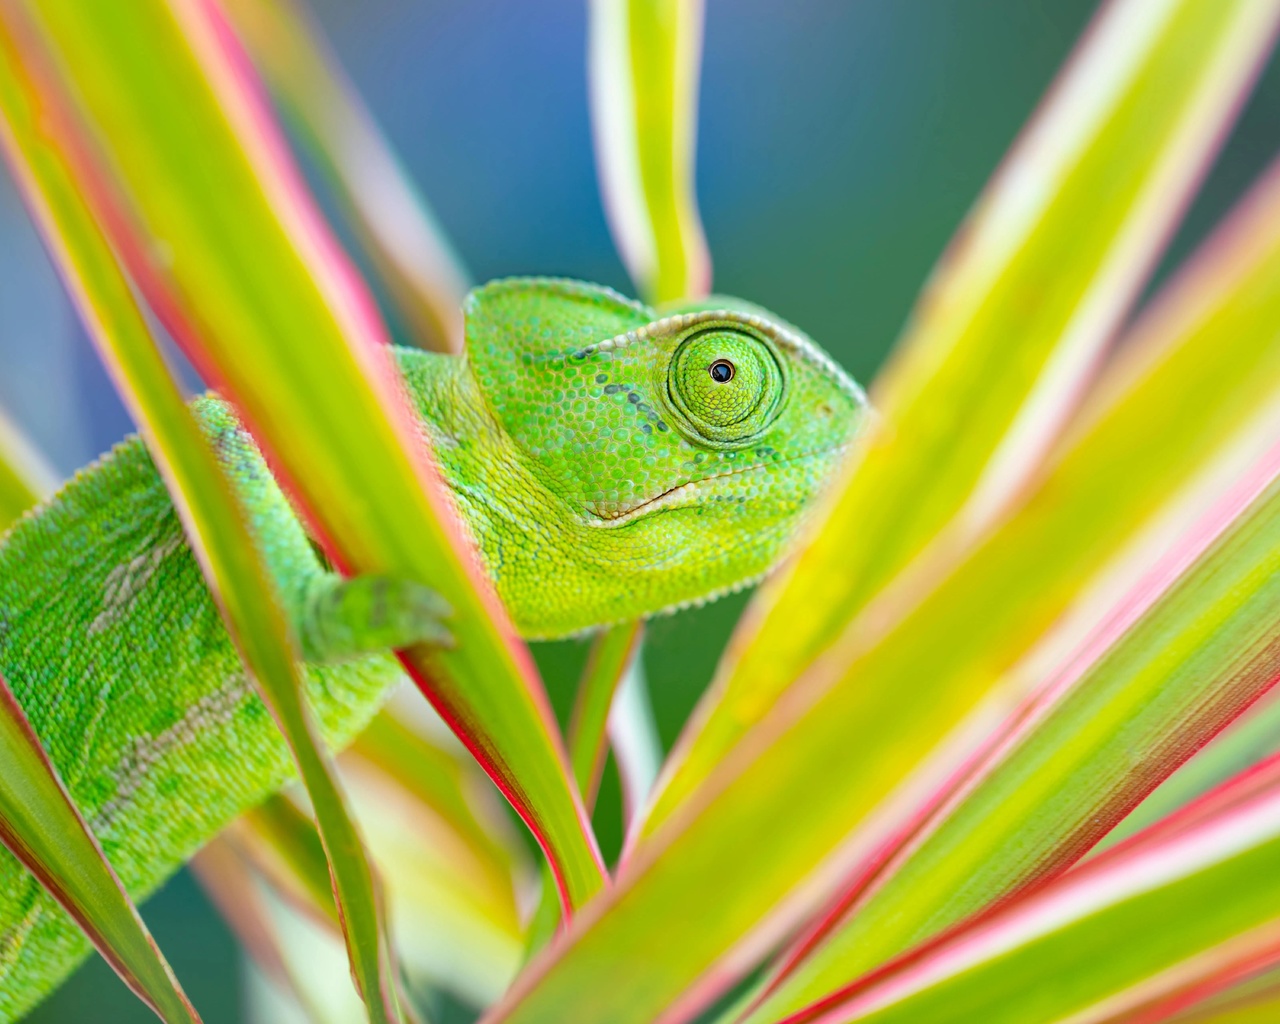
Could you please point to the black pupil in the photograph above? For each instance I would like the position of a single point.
(721, 371)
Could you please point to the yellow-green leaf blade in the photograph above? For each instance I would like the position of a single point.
(252, 284)
(1048, 264)
(643, 58)
(43, 829)
(611, 652)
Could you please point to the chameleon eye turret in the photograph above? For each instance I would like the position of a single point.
(725, 384)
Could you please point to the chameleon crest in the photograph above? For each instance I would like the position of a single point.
(661, 459)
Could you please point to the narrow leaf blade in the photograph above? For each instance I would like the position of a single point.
(1147, 920)
(643, 58)
(43, 829)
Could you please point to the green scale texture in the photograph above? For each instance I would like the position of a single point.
(602, 471)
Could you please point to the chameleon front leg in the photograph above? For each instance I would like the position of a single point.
(342, 618)
(335, 619)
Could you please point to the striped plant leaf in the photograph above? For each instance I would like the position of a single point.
(254, 288)
(1135, 931)
(643, 58)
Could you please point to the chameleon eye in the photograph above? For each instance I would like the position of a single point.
(726, 383)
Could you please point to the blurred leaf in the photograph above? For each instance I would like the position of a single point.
(1107, 732)
(642, 59)
(252, 285)
(633, 733)
(612, 652)
(454, 916)
(396, 226)
(25, 478)
(209, 510)
(284, 845)
(1004, 338)
(1085, 750)
(43, 829)
(1253, 1001)
(1145, 922)
(450, 867)
(228, 880)
(301, 974)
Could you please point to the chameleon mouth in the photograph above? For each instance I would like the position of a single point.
(686, 494)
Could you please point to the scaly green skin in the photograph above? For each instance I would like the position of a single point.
(602, 471)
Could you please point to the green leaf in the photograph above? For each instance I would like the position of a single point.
(642, 59)
(1254, 1001)
(1118, 719)
(611, 653)
(254, 287)
(395, 224)
(210, 512)
(1003, 340)
(452, 864)
(25, 478)
(1147, 921)
(285, 846)
(299, 961)
(43, 829)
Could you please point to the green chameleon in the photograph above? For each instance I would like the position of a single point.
(608, 463)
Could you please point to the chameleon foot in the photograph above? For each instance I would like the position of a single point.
(346, 618)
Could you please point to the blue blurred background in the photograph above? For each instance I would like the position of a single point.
(841, 142)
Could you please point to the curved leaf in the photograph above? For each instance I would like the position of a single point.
(642, 61)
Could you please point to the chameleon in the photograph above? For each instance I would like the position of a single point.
(610, 461)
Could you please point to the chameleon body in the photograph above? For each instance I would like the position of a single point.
(608, 461)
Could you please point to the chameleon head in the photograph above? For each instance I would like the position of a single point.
(684, 448)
